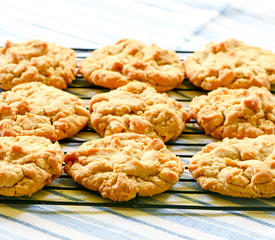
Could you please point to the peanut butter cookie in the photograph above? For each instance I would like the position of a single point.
(231, 64)
(239, 168)
(37, 109)
(27, 164)
(37, 61)
(137, 107)
(127, 60)
(124, 165)
(235, 112)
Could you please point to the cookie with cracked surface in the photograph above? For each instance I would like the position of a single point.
(27, 164)
(127, 60)
(38, 61)
(231, 64)
(124, 165)
(235, 112)
(37, 109)
(237, 167)
(137, 107)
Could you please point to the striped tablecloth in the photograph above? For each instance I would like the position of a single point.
(181, 25)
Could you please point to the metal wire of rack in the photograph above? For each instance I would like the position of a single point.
(66, 192)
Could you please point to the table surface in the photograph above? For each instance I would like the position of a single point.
(177, 25)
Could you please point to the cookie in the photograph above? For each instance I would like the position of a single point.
(127, 60)
(239, 168)
(37, 109)
(124, 165)
(235, 112)
(27, 164)
(137, 107)
(231, 64)
(38, 61)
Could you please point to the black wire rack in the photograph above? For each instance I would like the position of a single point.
(185, 195)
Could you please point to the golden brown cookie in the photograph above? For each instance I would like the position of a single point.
(127, 60)
(124, 165)
(239, 168)
(231, 64)
(37, 109)
(137, 107)
(27, 164)
(235, 112)
(38, 61)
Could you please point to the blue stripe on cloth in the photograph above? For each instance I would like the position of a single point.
(6, 238)
(241, 16)
(8, 31)
(232, 212)
(124, 216)
(146, 223)
(243, 201)
(204, 227)
(227, 198)
(190, 222)
(204, 5)
(34, 227)
(126, 230)
(89, 227)
(203, 26)
(236, 235)
(49, 29)
(155, 5)
(11, 235)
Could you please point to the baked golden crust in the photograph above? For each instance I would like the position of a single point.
(37, 109)
(127, 60)
(27, 164)
(231, 64)
(235, 112)
(137, 107)
(37, 61)
(124, 165)
(239, 168)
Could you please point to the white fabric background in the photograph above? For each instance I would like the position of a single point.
(174, 24)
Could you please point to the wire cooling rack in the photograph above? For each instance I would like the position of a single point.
(185, 195)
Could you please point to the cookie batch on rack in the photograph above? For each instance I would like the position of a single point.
(136, 118)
